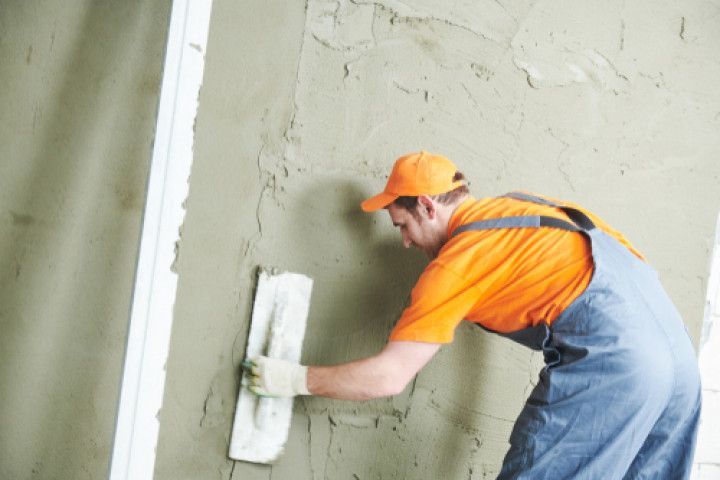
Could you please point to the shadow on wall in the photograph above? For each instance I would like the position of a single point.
(364, 278)
(438, 427)
(451, 428)
(85, 187)
(462, 402)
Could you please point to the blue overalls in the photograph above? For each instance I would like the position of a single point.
(619, 395)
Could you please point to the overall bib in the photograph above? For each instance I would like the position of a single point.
(619, 395)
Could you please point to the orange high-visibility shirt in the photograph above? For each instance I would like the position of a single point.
(505, 279)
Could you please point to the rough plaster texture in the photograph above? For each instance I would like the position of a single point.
(79, 90)
(302, 112)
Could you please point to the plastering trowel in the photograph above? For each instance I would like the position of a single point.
(277, 329)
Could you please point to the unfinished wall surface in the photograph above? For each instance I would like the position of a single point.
(303, 110)
(79, 90)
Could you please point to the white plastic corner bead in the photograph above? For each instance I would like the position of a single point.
(151, 314)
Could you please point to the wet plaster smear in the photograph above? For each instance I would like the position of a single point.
(304, 107)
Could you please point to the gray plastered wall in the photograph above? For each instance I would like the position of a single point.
(303, 110)
(79, 86)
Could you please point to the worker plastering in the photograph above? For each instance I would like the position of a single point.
(619, 394)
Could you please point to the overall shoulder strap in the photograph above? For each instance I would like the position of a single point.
(526, 221)
(531, 198)
(578, 217)
(580, 221)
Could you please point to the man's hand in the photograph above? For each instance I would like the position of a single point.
(272, 377)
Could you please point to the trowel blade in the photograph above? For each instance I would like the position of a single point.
(277, 330)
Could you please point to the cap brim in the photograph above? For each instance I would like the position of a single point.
(379, 201)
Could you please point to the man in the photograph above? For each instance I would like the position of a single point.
(619, 396)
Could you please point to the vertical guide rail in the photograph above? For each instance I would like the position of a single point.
(707, 455)
(151, 313)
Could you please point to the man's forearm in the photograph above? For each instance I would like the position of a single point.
(382, 375)
(359, 380)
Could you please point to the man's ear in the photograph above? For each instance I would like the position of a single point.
(426, 207)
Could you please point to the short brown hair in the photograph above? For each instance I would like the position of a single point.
(410, 203)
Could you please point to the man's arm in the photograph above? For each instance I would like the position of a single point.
(382, 375)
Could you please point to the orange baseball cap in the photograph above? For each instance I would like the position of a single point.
(414, 174)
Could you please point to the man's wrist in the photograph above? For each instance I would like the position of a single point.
(274, 377)
(299, 380)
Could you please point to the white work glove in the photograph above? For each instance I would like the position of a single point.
(272, 377)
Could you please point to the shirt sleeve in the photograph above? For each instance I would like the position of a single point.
(438, 303)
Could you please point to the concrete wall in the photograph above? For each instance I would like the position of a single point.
(302, 112)
(79, 84)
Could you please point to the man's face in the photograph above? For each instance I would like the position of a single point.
(420, 232)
